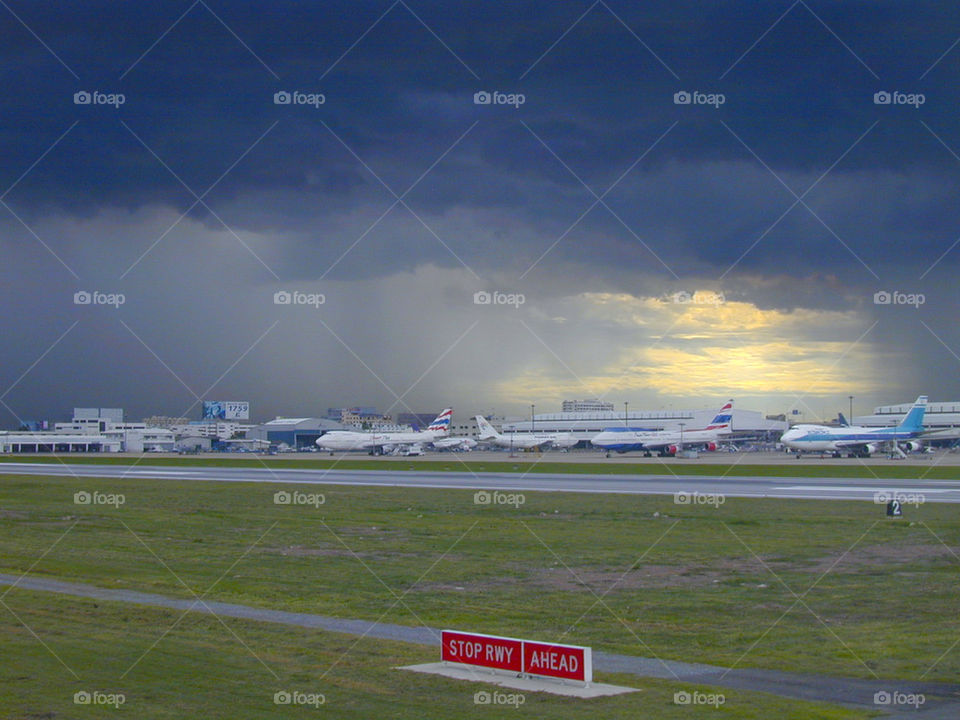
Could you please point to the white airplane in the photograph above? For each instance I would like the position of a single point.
(859, 441)
(455, 443)
(377, 443)
(667, 442)
(523, 441)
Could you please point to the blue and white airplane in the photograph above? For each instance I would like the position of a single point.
(859, 441)
(667, 442)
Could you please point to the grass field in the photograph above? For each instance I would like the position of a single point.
(199, 669)
(458, 463)
(693, 583)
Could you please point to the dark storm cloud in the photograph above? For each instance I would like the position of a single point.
(301, 194)
(199, 99)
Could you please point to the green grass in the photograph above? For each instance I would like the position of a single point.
(715, 585)
(203, 669)
(855, 469)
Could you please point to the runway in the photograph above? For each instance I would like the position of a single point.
(805, 488)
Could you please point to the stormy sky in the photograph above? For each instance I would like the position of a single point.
(665, 203)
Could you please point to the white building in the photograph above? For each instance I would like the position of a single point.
(92, 430)
(586, 406)
(745, 423)
(211, 429)
(22, 442)
(938, 415)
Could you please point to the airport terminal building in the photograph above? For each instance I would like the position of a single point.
(939, 415)
(584, 425)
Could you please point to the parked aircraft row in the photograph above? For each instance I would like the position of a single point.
(855, 441)
(666, 442)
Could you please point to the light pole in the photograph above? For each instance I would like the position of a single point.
(850, 419)
(625, 421)
(681, 435)
(533, 420)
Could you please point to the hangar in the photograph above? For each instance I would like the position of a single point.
(295, 432)
(19, 442)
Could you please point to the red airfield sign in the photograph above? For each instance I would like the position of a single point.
(567, 662)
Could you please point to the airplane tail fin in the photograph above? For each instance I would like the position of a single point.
(485, 428)
(842, 421)
(723, 418)
(913, 420)
(442, 423)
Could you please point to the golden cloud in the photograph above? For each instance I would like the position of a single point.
(706, 346)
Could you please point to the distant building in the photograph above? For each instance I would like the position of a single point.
(96, 418)
(91, 430)
(336, 414)
(164, 421)
(211, 429)
(586, 406)
(364, 418)
(416, 420)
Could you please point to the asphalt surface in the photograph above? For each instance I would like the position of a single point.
(809, 488)
(941, 700)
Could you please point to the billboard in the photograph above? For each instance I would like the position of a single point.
(225, 410)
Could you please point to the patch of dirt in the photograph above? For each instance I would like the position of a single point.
(303, 551)
(331, 551)
(642, 577)
(749, 570)
(560, 579)
(375, 530)
(889, 555)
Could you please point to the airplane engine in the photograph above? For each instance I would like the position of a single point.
(671, 449)
(913, 446)
(871, 448)
(711, 447)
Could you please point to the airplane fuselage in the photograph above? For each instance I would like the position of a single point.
(822, 438)
(346, 440)
(637, 440)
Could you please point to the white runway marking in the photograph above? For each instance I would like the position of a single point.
(861, 488)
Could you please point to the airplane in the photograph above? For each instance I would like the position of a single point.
(859, 441)
(523, 441)
(377, 443)
(455, 443)
(667, 442)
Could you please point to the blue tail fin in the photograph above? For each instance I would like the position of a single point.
(913, 420)
(842, 421)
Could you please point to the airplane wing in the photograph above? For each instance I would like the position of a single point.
(950, 433)
(859, 443)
